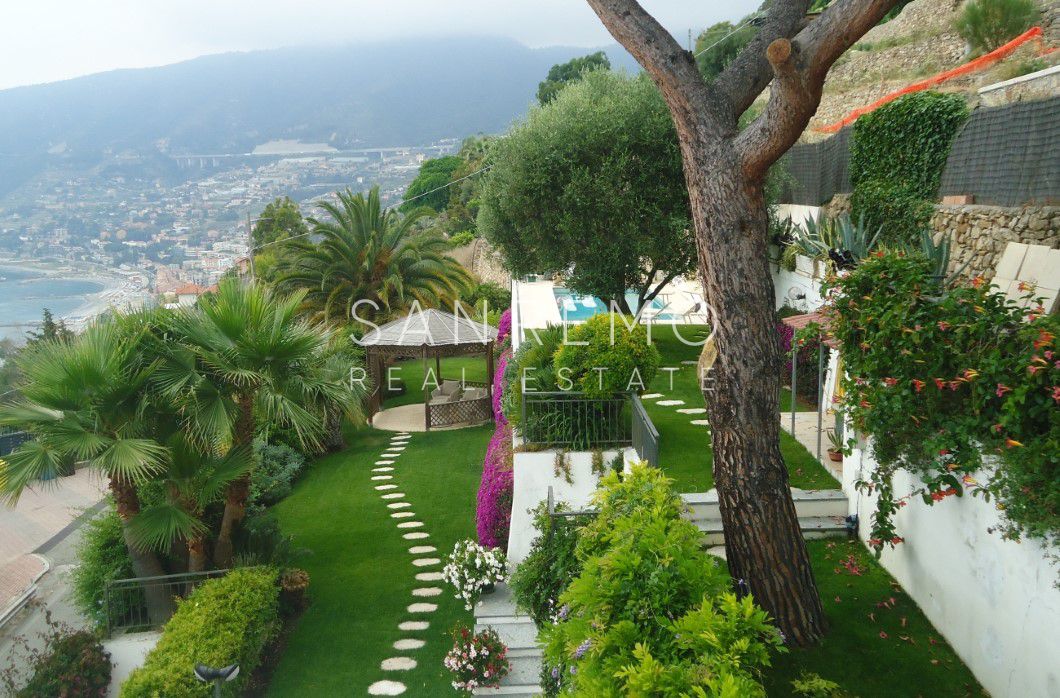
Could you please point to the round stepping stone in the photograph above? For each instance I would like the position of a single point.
(394, 495)
(693, 410)
(669, 403)
(409, 644)
(414, 625)
(398, 664)
(382, 477)
(402, 514)
(384, 462)
(410, 524)
(416, 535)
(382, 488)
(426, 591)
(689, 362)
(386, 688)
(423, 608)
(701, 422)
(421, 549)
(398, 505)
(425, 561)
(651, 396)
(429, 577)
(384, 469)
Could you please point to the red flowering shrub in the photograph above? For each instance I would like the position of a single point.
(939, 377)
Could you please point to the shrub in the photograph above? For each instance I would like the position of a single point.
(942, 376)
(649, 613)
(225, 621)
(548, 568)
(71, 663)
(279, 466)
(897, 156)
(477, 660)
(612, 358)
(493, 514)
(461, 239)
(989, 24)
(102, 556)
(534, 364)
(900, 212)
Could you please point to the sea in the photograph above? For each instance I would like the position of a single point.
(25, 292)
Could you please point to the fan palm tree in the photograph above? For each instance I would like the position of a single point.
(86, 399)
(368, 253)
(245, 353)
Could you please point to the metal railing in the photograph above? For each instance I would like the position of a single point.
(644, 434)
(575, 422)
(11, 440)
(127, 603)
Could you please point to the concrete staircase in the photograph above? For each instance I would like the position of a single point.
(518, 632)
(822, 513)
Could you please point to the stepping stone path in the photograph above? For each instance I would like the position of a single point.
(386, 688)
(387, 460)
(693, 410)
(701, 422)
(669, 403)
(651, 396)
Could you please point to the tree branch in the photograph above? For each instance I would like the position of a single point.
(749, 73)
(799, 69)
(671, 67)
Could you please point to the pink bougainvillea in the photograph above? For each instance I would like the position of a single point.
(504, 326)
(498, 388)
(494, 513)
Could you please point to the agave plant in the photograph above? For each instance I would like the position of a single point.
(368, 253)
(939, 254)
(835, 240)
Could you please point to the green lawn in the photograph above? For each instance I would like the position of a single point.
(879, 644)
(360, 568)
(684, 450)
(472, 368)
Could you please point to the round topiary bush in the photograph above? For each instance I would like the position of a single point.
(605, 355)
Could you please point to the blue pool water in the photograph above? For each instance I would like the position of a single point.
(574, 307)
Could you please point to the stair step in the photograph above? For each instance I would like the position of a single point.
(812, 527)
(516, 632)
(500, 603)
(521, 691)
(526, 669)
(808, 503)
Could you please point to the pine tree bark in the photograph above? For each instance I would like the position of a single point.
(725, 171)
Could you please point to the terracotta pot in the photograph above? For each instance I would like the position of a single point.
(835, 456)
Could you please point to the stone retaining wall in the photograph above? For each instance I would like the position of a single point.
(981, 232)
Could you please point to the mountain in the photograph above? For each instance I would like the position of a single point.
(407, 92)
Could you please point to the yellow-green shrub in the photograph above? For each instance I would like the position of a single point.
(225, 621)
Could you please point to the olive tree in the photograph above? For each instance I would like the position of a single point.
(591, 185)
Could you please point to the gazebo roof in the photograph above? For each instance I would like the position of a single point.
(431, 328)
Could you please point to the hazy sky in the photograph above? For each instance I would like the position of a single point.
(47, 40)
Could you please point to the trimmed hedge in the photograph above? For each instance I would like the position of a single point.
(225, 621)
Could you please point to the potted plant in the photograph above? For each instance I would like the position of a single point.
(474, 570)
(477, 660)
(835, 451)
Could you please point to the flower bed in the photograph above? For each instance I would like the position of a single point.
(477, 660)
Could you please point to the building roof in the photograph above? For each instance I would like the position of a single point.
(432, 328)
(797, 322)
(189, 290)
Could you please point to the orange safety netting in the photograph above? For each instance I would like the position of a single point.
(981, 63)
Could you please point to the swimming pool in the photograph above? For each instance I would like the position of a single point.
(575, 307)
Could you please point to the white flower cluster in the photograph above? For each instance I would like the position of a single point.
(471, 568)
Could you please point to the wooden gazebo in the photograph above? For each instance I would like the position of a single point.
(435, 334)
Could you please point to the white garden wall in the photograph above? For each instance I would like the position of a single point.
(534, 473)
(995, 601)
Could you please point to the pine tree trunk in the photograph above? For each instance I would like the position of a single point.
(238, 491)
(160, 605)
(763, 542)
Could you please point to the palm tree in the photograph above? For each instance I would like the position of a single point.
(368, 253)
(86, 399)
(241, 354)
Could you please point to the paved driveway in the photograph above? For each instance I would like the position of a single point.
(42, 514)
